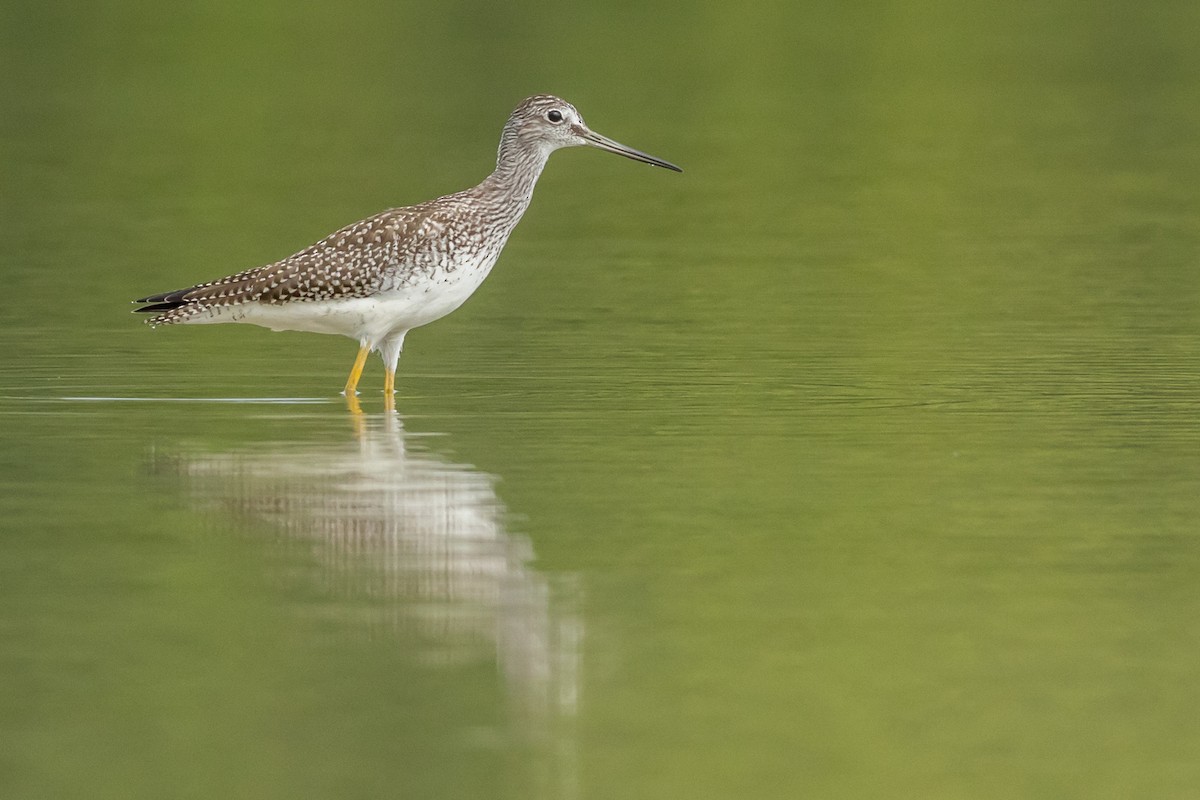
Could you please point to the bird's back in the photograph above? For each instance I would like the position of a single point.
(392, 250)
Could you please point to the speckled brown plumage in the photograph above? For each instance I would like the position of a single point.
(390, 250)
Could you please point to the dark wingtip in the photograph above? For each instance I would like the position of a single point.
(157, 307)
(162, 302)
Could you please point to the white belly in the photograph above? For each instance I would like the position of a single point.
(370, 319)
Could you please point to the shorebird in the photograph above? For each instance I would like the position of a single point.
(377, 279)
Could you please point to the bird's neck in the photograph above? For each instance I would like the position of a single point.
(518, 167)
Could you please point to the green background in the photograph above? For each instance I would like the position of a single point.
(862, 459)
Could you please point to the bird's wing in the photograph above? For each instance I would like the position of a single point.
(357, 260)
(350, 262)
(354, 261)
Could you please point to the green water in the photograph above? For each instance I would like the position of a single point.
(860, 460)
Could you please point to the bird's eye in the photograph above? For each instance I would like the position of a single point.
(554, 115)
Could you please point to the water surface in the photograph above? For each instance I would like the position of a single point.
(858, 460)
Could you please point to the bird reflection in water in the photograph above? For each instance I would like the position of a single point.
(410, 543)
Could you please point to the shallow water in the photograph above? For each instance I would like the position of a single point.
(861, 459)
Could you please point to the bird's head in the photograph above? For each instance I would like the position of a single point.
(549, 123)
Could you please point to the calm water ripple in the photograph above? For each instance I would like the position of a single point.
(864, 454)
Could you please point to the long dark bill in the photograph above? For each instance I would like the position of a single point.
(604, 143)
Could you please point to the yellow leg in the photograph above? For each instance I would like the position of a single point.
(389, 390)
(356, 372)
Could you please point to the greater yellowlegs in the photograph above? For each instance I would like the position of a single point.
(377, 279)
